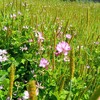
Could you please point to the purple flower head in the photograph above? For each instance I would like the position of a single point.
(43, 63)
(68, 36)
(63, 47)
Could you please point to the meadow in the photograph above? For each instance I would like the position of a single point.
(49, 50)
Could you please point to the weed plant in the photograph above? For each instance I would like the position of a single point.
(49, 50)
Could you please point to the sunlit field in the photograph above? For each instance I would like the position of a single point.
(49, 50)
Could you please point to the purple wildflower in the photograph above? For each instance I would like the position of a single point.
(63, 47)
(43, 63)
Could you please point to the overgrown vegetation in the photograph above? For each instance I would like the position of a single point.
(50, 49)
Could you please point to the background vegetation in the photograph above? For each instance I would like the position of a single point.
(31, 30)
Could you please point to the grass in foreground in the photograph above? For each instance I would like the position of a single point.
(57, 44)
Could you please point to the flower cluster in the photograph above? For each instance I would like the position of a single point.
(44, 63)
(62, 47)
(3, 56)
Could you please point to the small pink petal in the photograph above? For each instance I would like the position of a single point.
(68, 36)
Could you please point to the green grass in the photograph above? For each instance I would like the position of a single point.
(54, 19)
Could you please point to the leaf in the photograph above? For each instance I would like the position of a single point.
(3, 77)
(23, 61)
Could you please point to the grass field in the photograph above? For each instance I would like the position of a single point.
(49, 50)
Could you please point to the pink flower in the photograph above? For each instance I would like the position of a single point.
(63, 47)
(43, 63)
(40, 37)
(68, 36)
